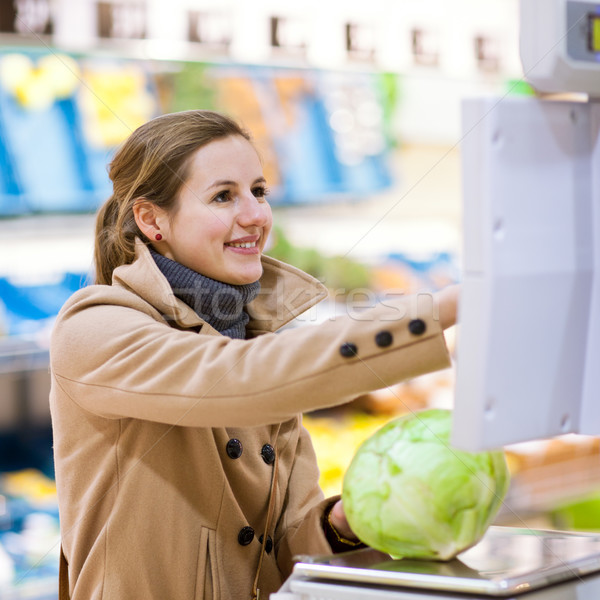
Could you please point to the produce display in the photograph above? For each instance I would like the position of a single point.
(335, 439)
(407, 492)
(29, 535)
(37, 84)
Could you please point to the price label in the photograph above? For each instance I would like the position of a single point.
(211, 29)
(425, 47)
(26, 17)
(121, 21)
(288, 34)
(360, 41)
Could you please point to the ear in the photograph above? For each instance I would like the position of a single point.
(148, 218)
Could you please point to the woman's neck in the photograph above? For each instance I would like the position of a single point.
(220, 304)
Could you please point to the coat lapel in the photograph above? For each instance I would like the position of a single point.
(285, 293)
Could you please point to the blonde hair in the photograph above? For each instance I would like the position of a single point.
(151, 164)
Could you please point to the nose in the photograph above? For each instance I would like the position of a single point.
(253, 211)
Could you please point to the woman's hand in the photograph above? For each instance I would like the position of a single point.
(447, 303)
(337, 517)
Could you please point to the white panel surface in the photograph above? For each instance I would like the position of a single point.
(590, 411)
(529, 245)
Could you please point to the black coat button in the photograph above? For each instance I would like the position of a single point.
(384, 339)
(348, 350)
(245, 536)
(234, 448)
(268, 545)
(417, 326)
(268, 454)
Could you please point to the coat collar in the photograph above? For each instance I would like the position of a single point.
(285, 293)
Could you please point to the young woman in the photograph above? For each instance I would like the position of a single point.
(182, 467)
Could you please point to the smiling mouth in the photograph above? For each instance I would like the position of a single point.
(242, 245)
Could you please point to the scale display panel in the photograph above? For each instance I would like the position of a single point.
(560, 45)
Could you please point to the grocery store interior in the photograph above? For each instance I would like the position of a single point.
(356, 110)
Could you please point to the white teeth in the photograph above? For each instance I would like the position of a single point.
(246, 245)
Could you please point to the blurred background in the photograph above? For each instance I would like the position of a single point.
(355, 107)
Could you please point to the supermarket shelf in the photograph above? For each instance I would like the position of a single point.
(17, 355)
(40, 589)
(546, 487)
(25, 385)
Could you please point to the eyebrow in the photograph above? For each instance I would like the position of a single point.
(229, 182)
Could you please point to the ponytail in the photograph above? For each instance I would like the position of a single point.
(116, 231)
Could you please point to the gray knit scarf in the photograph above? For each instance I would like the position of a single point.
(220, 304)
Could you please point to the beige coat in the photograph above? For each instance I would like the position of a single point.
(143, 408)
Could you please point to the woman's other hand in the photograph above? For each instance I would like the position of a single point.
(447, 303)
(337, 518)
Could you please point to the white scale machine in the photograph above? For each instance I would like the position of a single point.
(528, 351)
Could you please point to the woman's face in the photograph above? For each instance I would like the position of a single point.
(222, 219)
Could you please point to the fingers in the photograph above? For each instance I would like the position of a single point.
(448, 299)
(339, 521)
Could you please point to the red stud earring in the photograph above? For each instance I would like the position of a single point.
(158, 237)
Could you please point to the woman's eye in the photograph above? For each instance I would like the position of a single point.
(260, 192)
(222, 197)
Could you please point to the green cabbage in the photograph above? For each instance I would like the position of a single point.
(408, 493)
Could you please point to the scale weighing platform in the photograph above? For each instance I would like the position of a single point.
(507, 563)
